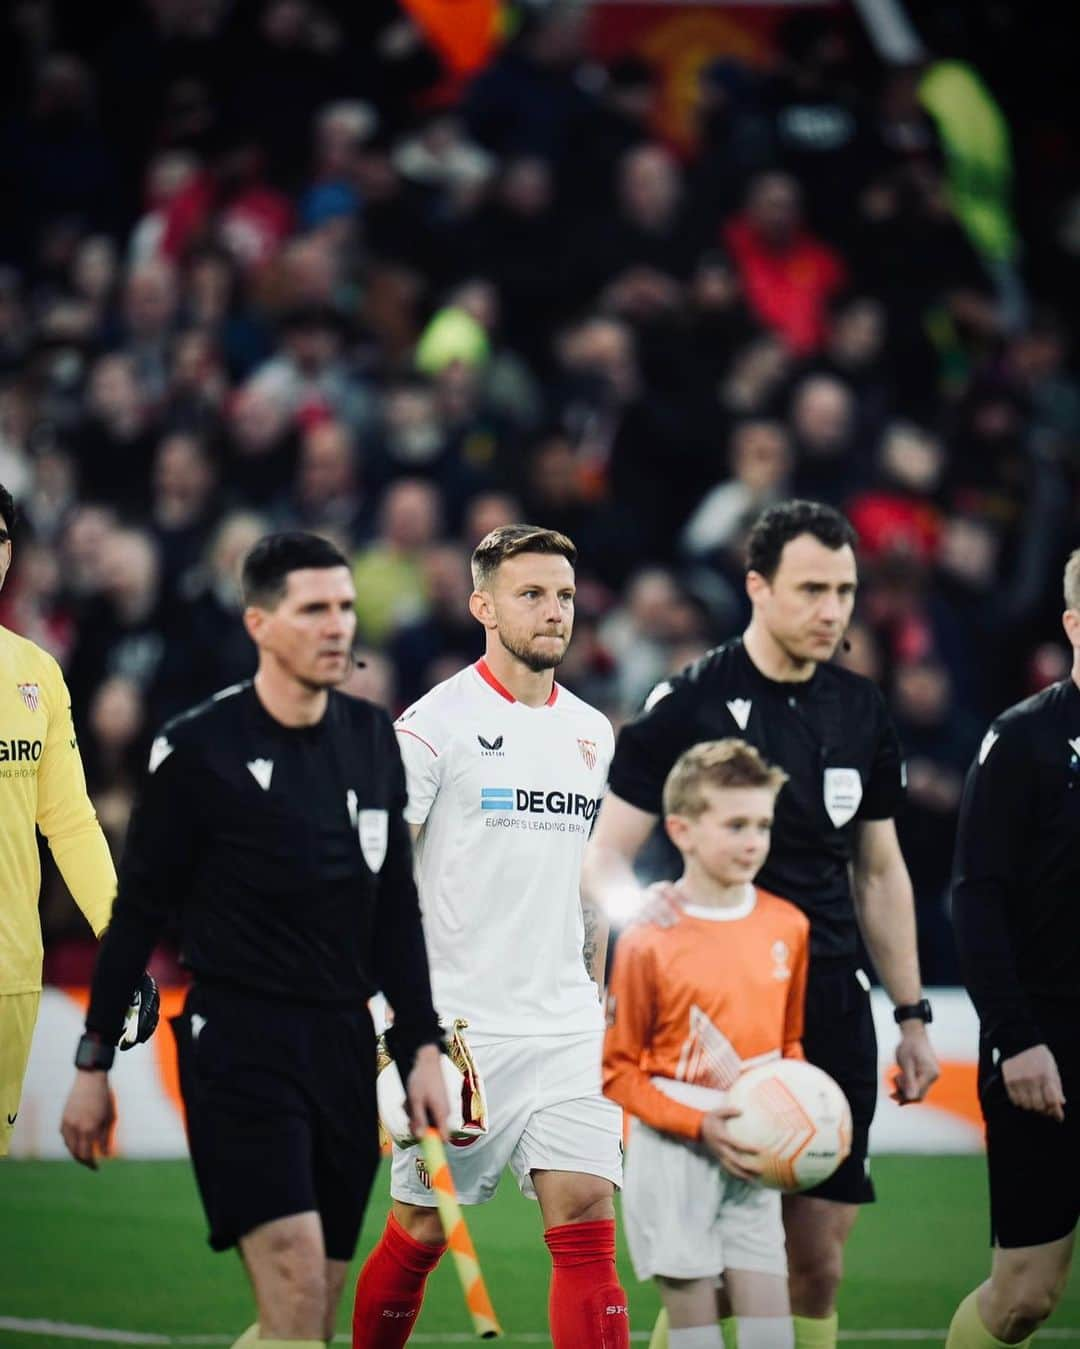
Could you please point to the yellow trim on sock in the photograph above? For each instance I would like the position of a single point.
(249, 1338)
(659, 1335)
(816, 1332)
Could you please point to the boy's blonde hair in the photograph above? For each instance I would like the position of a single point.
(717, 764)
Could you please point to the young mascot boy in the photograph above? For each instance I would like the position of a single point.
(688, 1007)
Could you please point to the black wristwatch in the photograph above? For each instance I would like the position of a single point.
(914, 1011)
(94, 1054)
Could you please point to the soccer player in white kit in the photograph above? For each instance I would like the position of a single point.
(505, 771)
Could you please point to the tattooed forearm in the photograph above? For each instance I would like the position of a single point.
(594, 949)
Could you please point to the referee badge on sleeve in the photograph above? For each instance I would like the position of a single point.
(843, 792)
(373, 828)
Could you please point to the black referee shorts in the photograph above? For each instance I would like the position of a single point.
(1032, 1160)
(281, 1116)
(839, 1037)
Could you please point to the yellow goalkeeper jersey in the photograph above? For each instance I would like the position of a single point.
(42, 784)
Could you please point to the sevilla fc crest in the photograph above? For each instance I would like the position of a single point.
(30, 694)
(588, 752)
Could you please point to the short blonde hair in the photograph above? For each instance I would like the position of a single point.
(510, 541)
(717, 764)
(1072, 581)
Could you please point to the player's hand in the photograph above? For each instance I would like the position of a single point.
(88, 1118)
(141, 1018)
(740, 1162)
(917, 1064)
(662, 905)
(1034, 1083)
(425, 1094)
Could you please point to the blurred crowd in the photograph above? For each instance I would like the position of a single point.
(262, 267)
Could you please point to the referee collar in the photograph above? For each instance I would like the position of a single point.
(269, 722)
(787, 689)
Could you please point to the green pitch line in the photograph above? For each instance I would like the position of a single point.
(125, 1250)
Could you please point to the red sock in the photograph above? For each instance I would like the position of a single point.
(390, 1288)
(587, 1307)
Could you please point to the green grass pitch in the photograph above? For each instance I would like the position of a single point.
(125, 1250)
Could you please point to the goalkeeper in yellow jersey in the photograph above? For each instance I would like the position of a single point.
(42, 787)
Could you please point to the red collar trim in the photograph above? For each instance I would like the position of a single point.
(484, 671)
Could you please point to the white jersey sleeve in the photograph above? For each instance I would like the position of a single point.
(422, 753)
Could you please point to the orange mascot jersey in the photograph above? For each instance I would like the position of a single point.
(689, 1002)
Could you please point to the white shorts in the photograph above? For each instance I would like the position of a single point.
(546, 1112)
(686, 1218)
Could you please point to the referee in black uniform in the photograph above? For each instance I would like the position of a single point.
(829, 730)
(1016, 909)
(271, 822)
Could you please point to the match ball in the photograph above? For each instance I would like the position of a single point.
(799, 1118)
(466, 1124)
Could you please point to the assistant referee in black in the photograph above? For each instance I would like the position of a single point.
(1016, 910)
(270, 822)
(830, 731)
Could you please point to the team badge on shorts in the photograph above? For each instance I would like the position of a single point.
(30, 694)
(843, 793)
(423, 1175)
(588, 752)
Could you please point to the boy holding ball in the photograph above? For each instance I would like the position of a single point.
(689, 1007)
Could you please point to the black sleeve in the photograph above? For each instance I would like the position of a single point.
(400, 954)
(884, 792)
(158, 860)
(988, 870)
(649, 745)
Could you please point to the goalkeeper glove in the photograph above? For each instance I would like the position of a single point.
(142, 1014)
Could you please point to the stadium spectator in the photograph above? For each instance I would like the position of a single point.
(759, 466)
(648, 232)
(446, 633)
(898, 512)
(328, 492)
(212, 594)
(260, 445)
(939, 738)
(388, 572)
(788, 276)
(113, 449)
(182, 506)
(828, 459)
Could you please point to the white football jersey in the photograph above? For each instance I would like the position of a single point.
(506, 795)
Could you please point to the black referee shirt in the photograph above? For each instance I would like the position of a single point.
(831, 735)
(1016, 879)
(286, 855)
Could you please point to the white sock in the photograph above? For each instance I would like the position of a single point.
(696, 1337)
(766, 1332)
